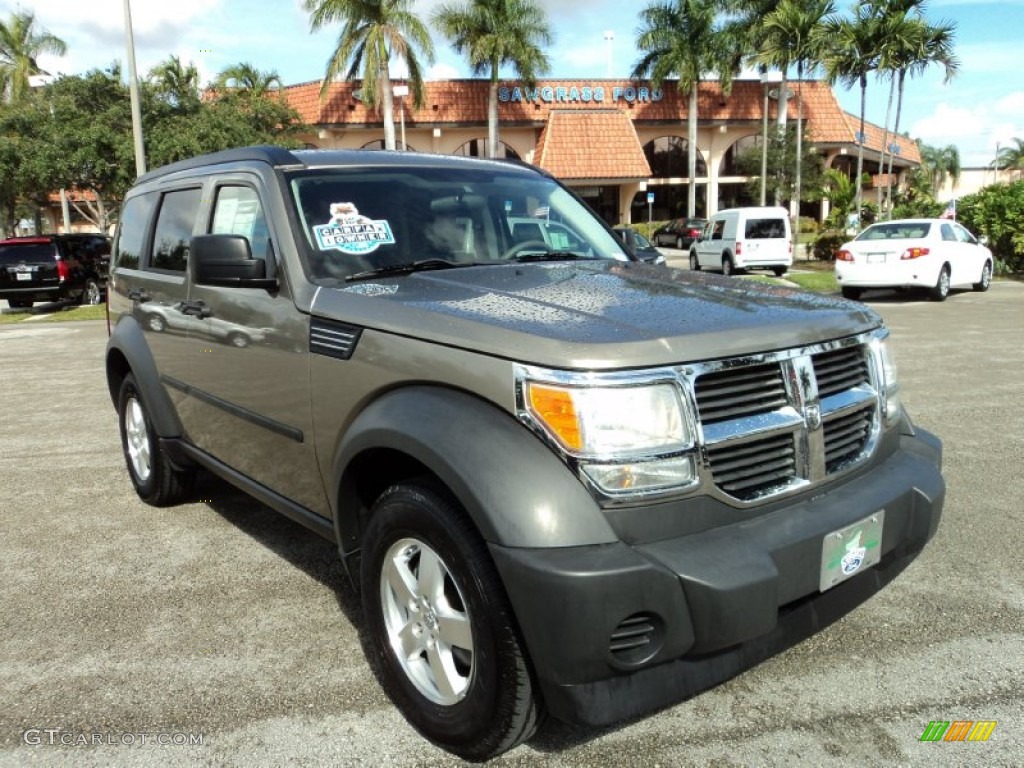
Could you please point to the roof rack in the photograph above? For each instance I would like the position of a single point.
(275, 156)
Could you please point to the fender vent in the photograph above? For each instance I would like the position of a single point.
(333, 339)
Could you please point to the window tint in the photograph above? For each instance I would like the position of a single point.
(29, 253)
(132, 231)
(174, 227)
(762, 229)
(947, 233)
(238, 212)
(963, 235)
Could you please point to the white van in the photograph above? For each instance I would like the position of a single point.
(736, 239)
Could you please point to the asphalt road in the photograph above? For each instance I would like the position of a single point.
(223, 623)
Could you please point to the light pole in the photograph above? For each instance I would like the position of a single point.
(133, 89)
(401, 91)
(767, 78)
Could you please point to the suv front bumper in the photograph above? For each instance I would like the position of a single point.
(615, 630)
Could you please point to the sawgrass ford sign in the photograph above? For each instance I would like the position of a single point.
(591, 94)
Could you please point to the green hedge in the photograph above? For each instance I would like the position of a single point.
(828, 243)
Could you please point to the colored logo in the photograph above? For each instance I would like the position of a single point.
(958, 730)
(854, 556)
(351, 232)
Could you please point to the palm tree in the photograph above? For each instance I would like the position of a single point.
(245, 79)
(1011, 158)
(941, 163)
(682, 38)
(911, 54)
(20, 45)
(494, 33)
(792, 34)
(372, 32)
(853, 54)
(176, 82)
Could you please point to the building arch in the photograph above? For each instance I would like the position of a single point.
(667, 156)
(730, 165)
(478, 148)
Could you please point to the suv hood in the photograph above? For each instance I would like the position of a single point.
(595, 314)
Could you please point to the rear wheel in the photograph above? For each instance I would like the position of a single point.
(445, 642)
(679, 243)
(19, 304)
(156, 323)
(941, 289)
(727, 265)
(156, 481)
(779, 271)
(92, 294)
(986, 278)
(852, 293)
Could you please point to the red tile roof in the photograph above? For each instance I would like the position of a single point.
(592, 144)
(464, 102)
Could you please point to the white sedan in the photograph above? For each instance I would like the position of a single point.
(926, 253)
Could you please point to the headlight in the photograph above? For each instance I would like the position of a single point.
(629, 437)
(890, 382)
(610, 421)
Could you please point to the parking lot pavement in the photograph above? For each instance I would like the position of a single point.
(224, 626)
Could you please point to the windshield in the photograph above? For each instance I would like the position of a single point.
(357, 220)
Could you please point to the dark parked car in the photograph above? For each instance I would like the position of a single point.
(640, 246)
(54, 268)
(679, 233)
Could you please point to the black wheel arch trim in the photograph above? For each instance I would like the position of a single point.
(127, 340)
(516, 491)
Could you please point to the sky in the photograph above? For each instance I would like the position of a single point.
(979, 110)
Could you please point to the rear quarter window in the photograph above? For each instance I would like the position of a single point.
(174, 226)
(131, 234)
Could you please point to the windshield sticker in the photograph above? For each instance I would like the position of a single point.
(351, 232)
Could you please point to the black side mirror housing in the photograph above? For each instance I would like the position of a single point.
(227, 260)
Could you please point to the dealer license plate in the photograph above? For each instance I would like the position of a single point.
(848, 551)
(876, 258)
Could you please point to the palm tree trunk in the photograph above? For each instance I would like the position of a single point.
(691, 152)
(860, 146)
(885, 145)
(781, 116)
(492, 116)
(387, 104)
(799, 147)
(895, 131)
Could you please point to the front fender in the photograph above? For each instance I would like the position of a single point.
(517, 492)
(127, 343)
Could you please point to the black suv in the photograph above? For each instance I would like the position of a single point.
(565, 482)
(54, 268)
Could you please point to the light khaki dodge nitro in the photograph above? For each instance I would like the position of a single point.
(566, 483)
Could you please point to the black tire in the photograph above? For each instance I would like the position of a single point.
(93, 293)
(694, 261)
(779, 271)
(155, 323)
(941, 289)
(986, 278)
(727, 266)
(156, 481)
(852, 293)
(19, 304)
(483, 703)
(679, 243)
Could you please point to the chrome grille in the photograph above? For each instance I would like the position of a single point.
(749, 469)
(846, 436)
(736, 392)
(840, 369)
(771, 427)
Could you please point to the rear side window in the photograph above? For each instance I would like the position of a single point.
(30, 253)
(174, 226)
(765, 229)
(132, 233)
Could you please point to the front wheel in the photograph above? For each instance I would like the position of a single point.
(155, 479)
(941, 289)
(694, 261)
(19, 304)
(446, 646)
(986, 278)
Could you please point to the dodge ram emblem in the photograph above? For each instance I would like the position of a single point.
(812, 414)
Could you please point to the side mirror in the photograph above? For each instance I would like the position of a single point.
(227, 260)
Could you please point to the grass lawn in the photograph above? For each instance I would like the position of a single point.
(95, 312)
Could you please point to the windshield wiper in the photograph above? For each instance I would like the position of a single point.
(551, 256)
(406, 269)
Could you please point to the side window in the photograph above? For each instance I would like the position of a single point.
(947, 233)
(719, 229)
(963, 235)
(174, 227)
(238, 211)
(131, 233)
